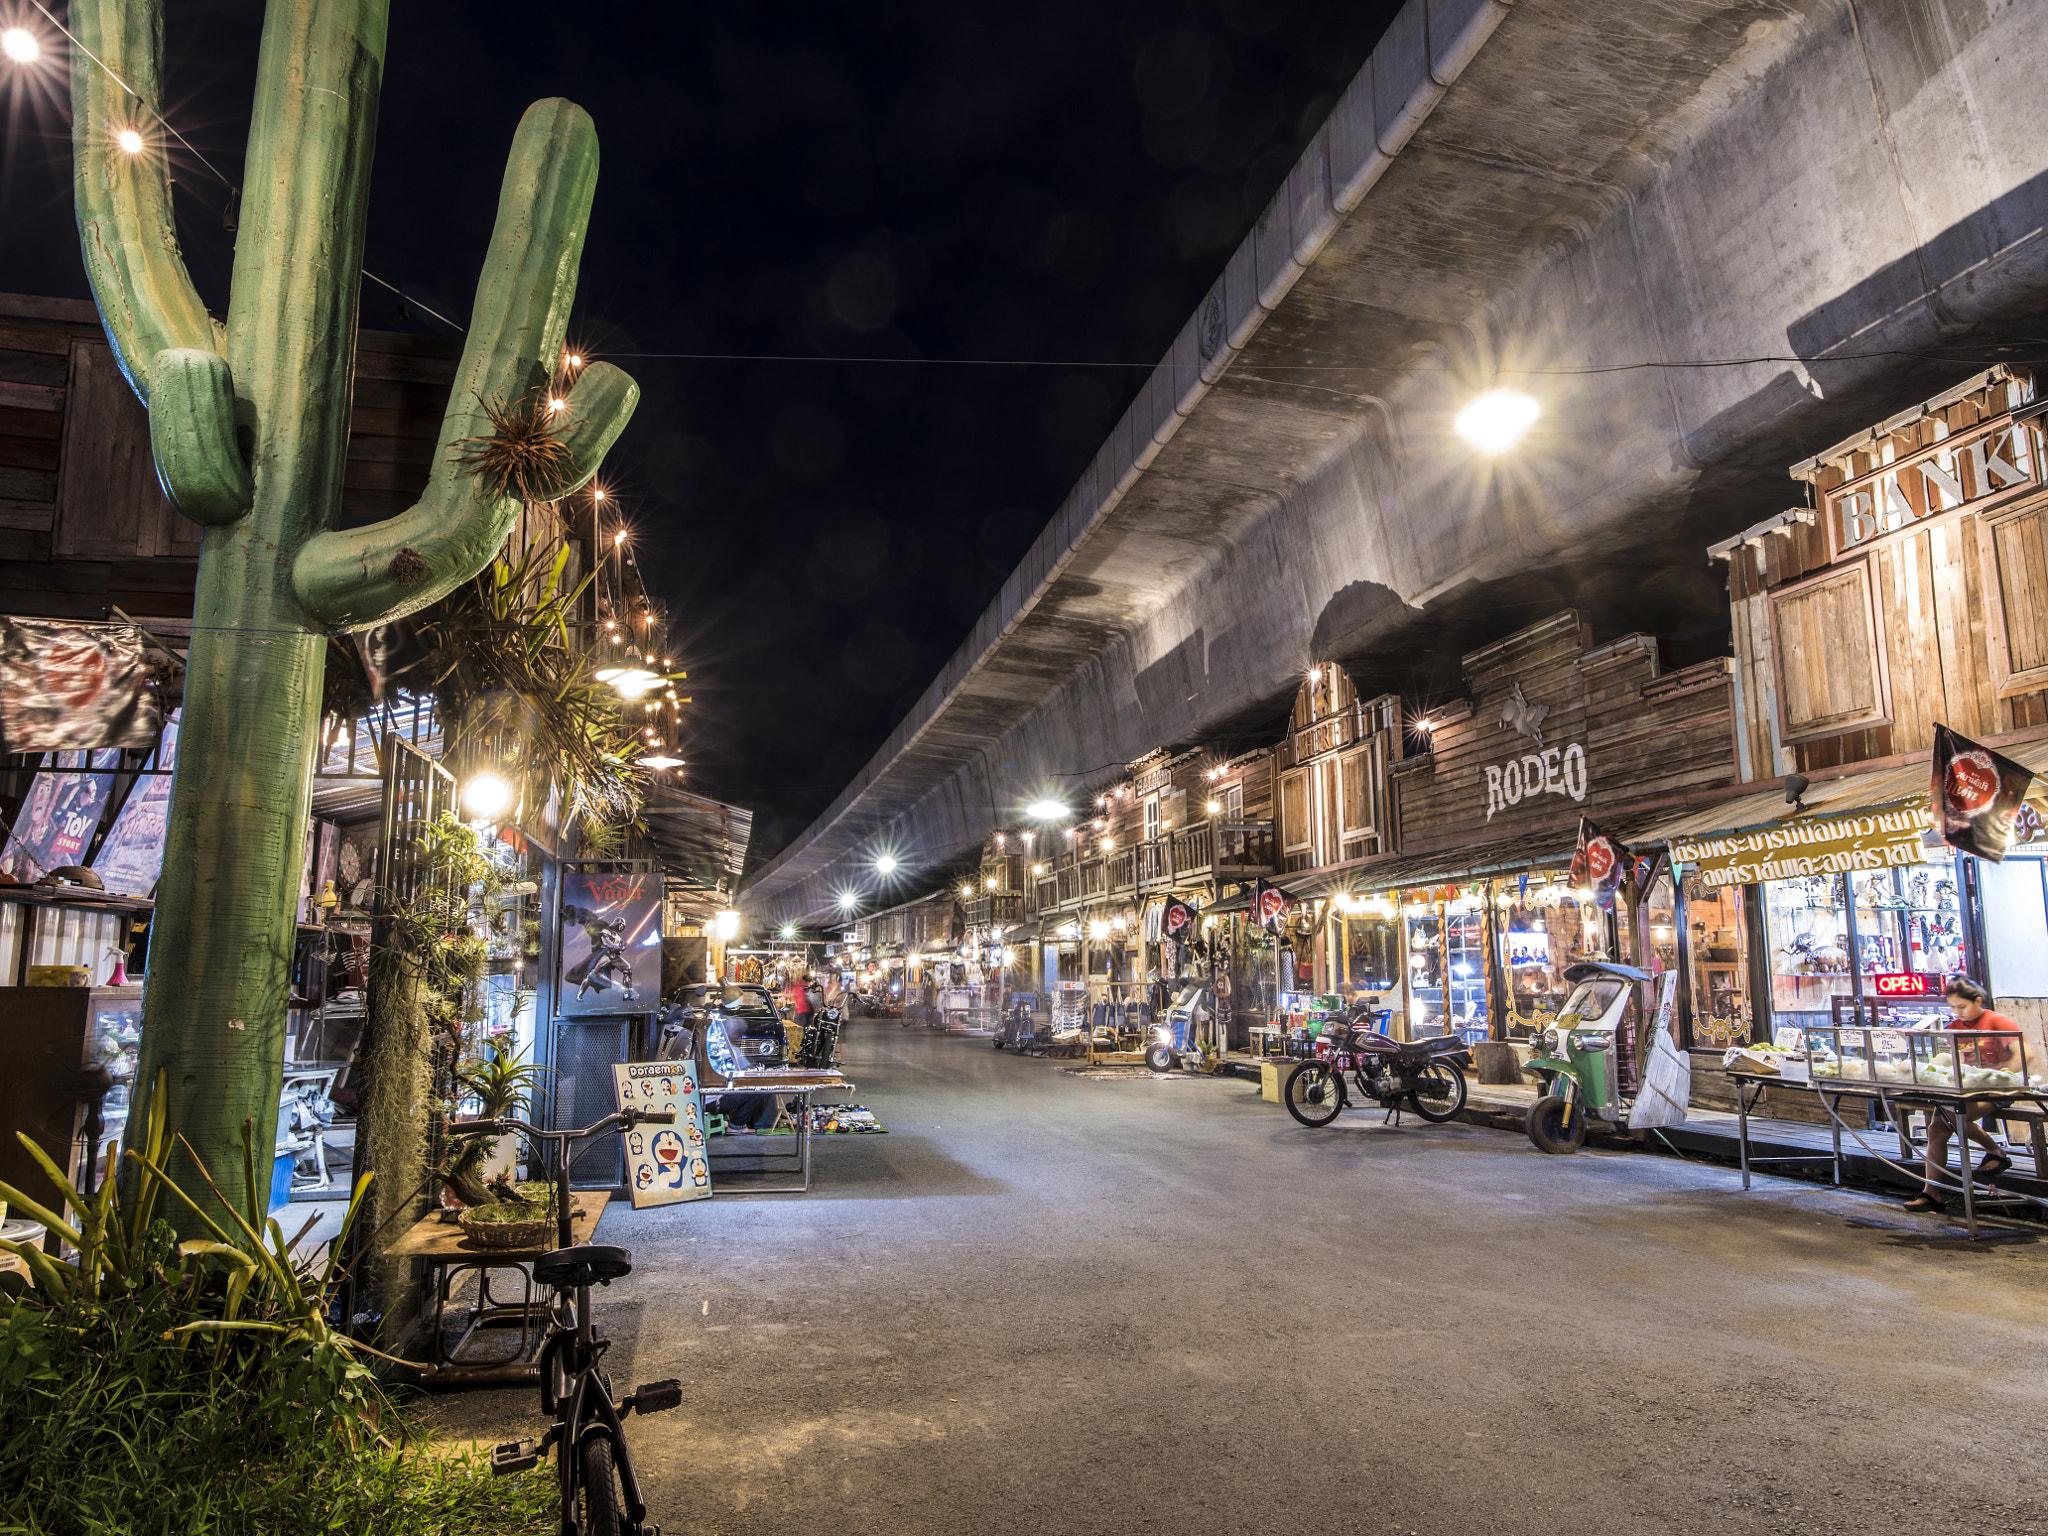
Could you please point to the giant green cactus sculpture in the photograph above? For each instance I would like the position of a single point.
(249, 424)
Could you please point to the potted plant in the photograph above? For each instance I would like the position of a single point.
(500, 1213)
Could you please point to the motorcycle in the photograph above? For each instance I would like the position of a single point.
(819, 1048)
(1424, 1075)
(1175, 1041)
(1576, 1058)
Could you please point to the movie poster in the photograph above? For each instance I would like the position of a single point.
(611, 944)
(665, 1164)
(57, 819)
(132, 857)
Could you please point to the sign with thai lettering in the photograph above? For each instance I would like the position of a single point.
(1963, 469)
(1553, 771)
(1808, 846)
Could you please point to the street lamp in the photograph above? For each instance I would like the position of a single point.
(487, 797)
(1497, 419)
(1047, 810)
(886, 864)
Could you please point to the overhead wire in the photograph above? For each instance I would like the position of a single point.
(172, 129)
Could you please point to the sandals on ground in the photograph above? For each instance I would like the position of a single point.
(1993, 1165)
(1927, 1200)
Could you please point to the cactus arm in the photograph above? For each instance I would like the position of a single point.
(360, 576)
(192, 434)
(125, 228)
(348, 579)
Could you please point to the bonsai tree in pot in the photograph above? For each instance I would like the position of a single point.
(501, 1084)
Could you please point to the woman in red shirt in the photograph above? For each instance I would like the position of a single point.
(1967, 1000)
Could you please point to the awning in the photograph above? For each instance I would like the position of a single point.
(1869, 820)
(1474, 861)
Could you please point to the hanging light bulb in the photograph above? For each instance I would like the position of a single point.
(129, 140)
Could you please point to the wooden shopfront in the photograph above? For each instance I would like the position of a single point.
(1912, 590)
(1555, 726)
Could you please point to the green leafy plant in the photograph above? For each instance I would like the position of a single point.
(151, 1385)
(501, 1084)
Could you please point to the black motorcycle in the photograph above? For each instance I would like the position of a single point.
(819, 1050)
(1423, 1075)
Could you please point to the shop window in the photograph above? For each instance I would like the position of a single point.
(1720, 966)
(1904, 920)
(1446, 969)
(1372, 954)
(1544, 930)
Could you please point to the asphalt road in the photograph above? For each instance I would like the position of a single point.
(1050, 1304)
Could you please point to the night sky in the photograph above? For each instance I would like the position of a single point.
(1056, 182)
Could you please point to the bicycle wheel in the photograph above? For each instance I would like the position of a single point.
(1314, 1094)
(1445, 1106)
(598, 1500)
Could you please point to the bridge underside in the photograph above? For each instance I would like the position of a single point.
(1844, 192)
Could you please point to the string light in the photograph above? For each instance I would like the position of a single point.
(129, 140)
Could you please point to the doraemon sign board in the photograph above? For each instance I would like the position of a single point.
(665, 1164)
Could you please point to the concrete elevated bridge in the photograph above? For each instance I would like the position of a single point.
(1819, 210)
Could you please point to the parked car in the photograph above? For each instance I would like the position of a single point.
(752, 1019)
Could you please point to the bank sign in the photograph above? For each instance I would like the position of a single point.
(1826, 846)
(1959, 471)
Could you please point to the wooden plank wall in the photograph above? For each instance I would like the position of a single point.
(1957, 598)
(83, 524)
(1648, 735)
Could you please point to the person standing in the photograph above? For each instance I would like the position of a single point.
(1970, 1005)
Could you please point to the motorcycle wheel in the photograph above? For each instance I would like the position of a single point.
(1159, 1058)
(1549, 1128)
(1314, 1094)
(1436, 1111)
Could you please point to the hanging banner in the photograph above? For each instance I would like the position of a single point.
(57, 819)
(665, 1164)
(66, 685)
(1177, 922)
(1973, 795)
(132, 857)
(1600, 862)
(611, 944)
(1269, 906)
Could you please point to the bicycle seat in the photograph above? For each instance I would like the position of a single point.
(585, 1264)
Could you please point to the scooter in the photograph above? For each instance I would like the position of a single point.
(1174, 1038)
(1576, 1058)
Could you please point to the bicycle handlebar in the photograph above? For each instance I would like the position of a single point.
(625, 1119)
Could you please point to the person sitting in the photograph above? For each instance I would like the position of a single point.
(1969, 1003)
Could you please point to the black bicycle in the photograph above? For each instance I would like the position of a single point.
(600, 1493)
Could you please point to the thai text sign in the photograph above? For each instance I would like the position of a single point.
(1817, 846)
(1553, 771)
(1956, 472)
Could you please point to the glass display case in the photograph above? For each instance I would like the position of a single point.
(1958, 1059)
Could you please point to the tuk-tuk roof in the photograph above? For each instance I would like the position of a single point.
(1585, 968)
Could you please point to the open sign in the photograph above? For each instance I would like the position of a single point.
(1905, 984)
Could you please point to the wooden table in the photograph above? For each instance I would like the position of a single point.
(448, 1253)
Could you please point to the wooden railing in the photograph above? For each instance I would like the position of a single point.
(1245, 847)
(995, 907)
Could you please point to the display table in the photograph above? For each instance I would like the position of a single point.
(797, 1085)
(448, 1253)
(1900, 1100)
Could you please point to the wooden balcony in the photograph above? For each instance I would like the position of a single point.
(994, 907)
